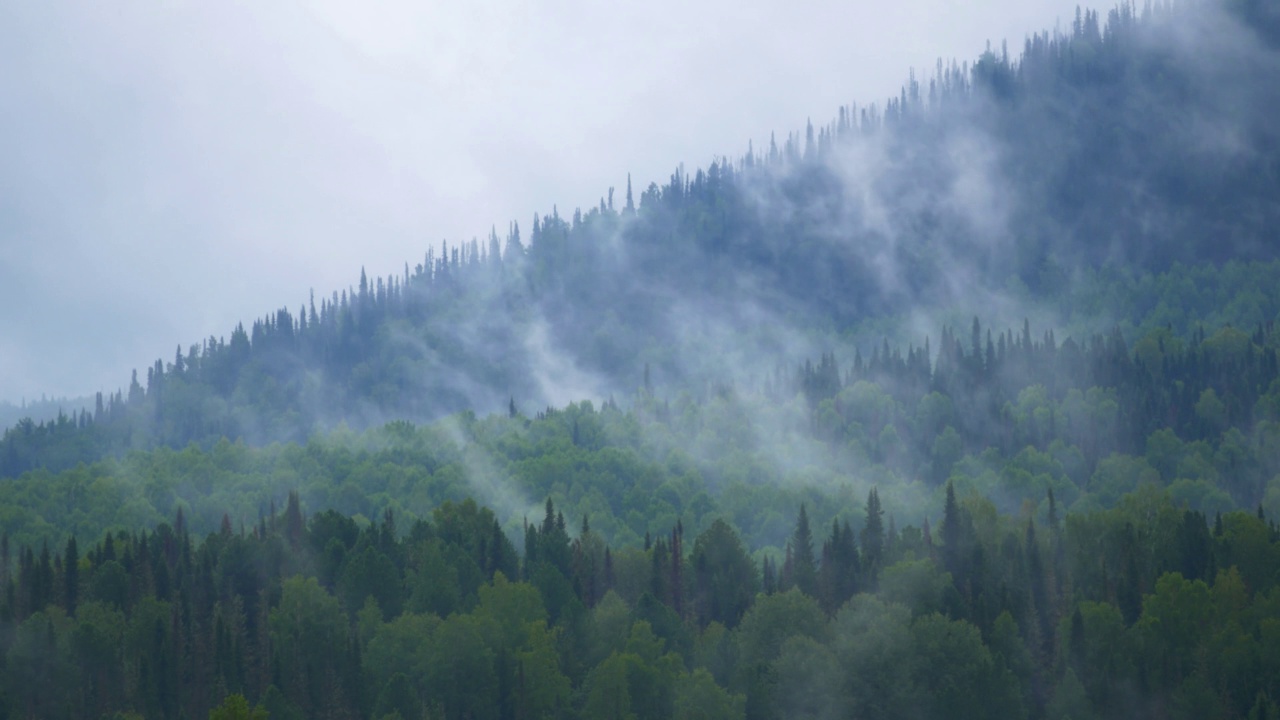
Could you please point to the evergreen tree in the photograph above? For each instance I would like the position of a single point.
(873, 537)
(71, 577)
(840, 569)
(952, 534)
(804, 567)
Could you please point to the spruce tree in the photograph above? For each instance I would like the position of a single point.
(951, 533)
(804, 568)
(71, 576)
(873, 536)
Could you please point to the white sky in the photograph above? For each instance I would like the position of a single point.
(168, 168)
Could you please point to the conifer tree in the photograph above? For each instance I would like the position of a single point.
(839, 571)
(803, 567)
(293, 522)
(873, 537)
(951, 533)
(71, 577)
(677, 569)
(659, 579)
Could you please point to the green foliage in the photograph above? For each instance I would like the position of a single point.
(437, 575)
(725, 577)
(918, 584)
(698, 697)
(771, 621)
(1007, 641)
(235, 707)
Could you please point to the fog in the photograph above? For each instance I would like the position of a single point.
(171, 169)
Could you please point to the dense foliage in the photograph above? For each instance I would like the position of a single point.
(1003, 414)
(1145, 610)
(794, 502)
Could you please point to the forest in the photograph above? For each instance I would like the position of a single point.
(1008, 419)
(1142, 610)
(965, 405)
(941, 204)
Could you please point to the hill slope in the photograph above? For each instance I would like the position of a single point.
(1138, 141)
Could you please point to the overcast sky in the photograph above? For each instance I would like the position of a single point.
(168, 168)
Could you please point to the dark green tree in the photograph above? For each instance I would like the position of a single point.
(804, 566)
(71, 576)
(873, 537)
(725, 578)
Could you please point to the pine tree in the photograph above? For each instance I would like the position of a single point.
(873, 537)
(769, 577)
(659, 579)
(71, 577)
(951, 533)
(1039, 592)
(293, 522)
(838, 574)
(531, 555)
(1057, 551)
(803, 567)
(677, 569)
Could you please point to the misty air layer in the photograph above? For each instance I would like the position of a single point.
(963, 405)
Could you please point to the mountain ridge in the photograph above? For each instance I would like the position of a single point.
(975, 178)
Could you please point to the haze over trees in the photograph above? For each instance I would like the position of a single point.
(996, 188)
(963, 405)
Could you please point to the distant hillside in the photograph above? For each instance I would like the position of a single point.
(1142, 142)
(42, 410)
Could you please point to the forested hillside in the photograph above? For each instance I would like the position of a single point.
(1135, 141)
(42, 410)
(962, 405)
(1009, 415)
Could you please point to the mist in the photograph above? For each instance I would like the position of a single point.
(170, 171)
(979, 190)
(1024, 305)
